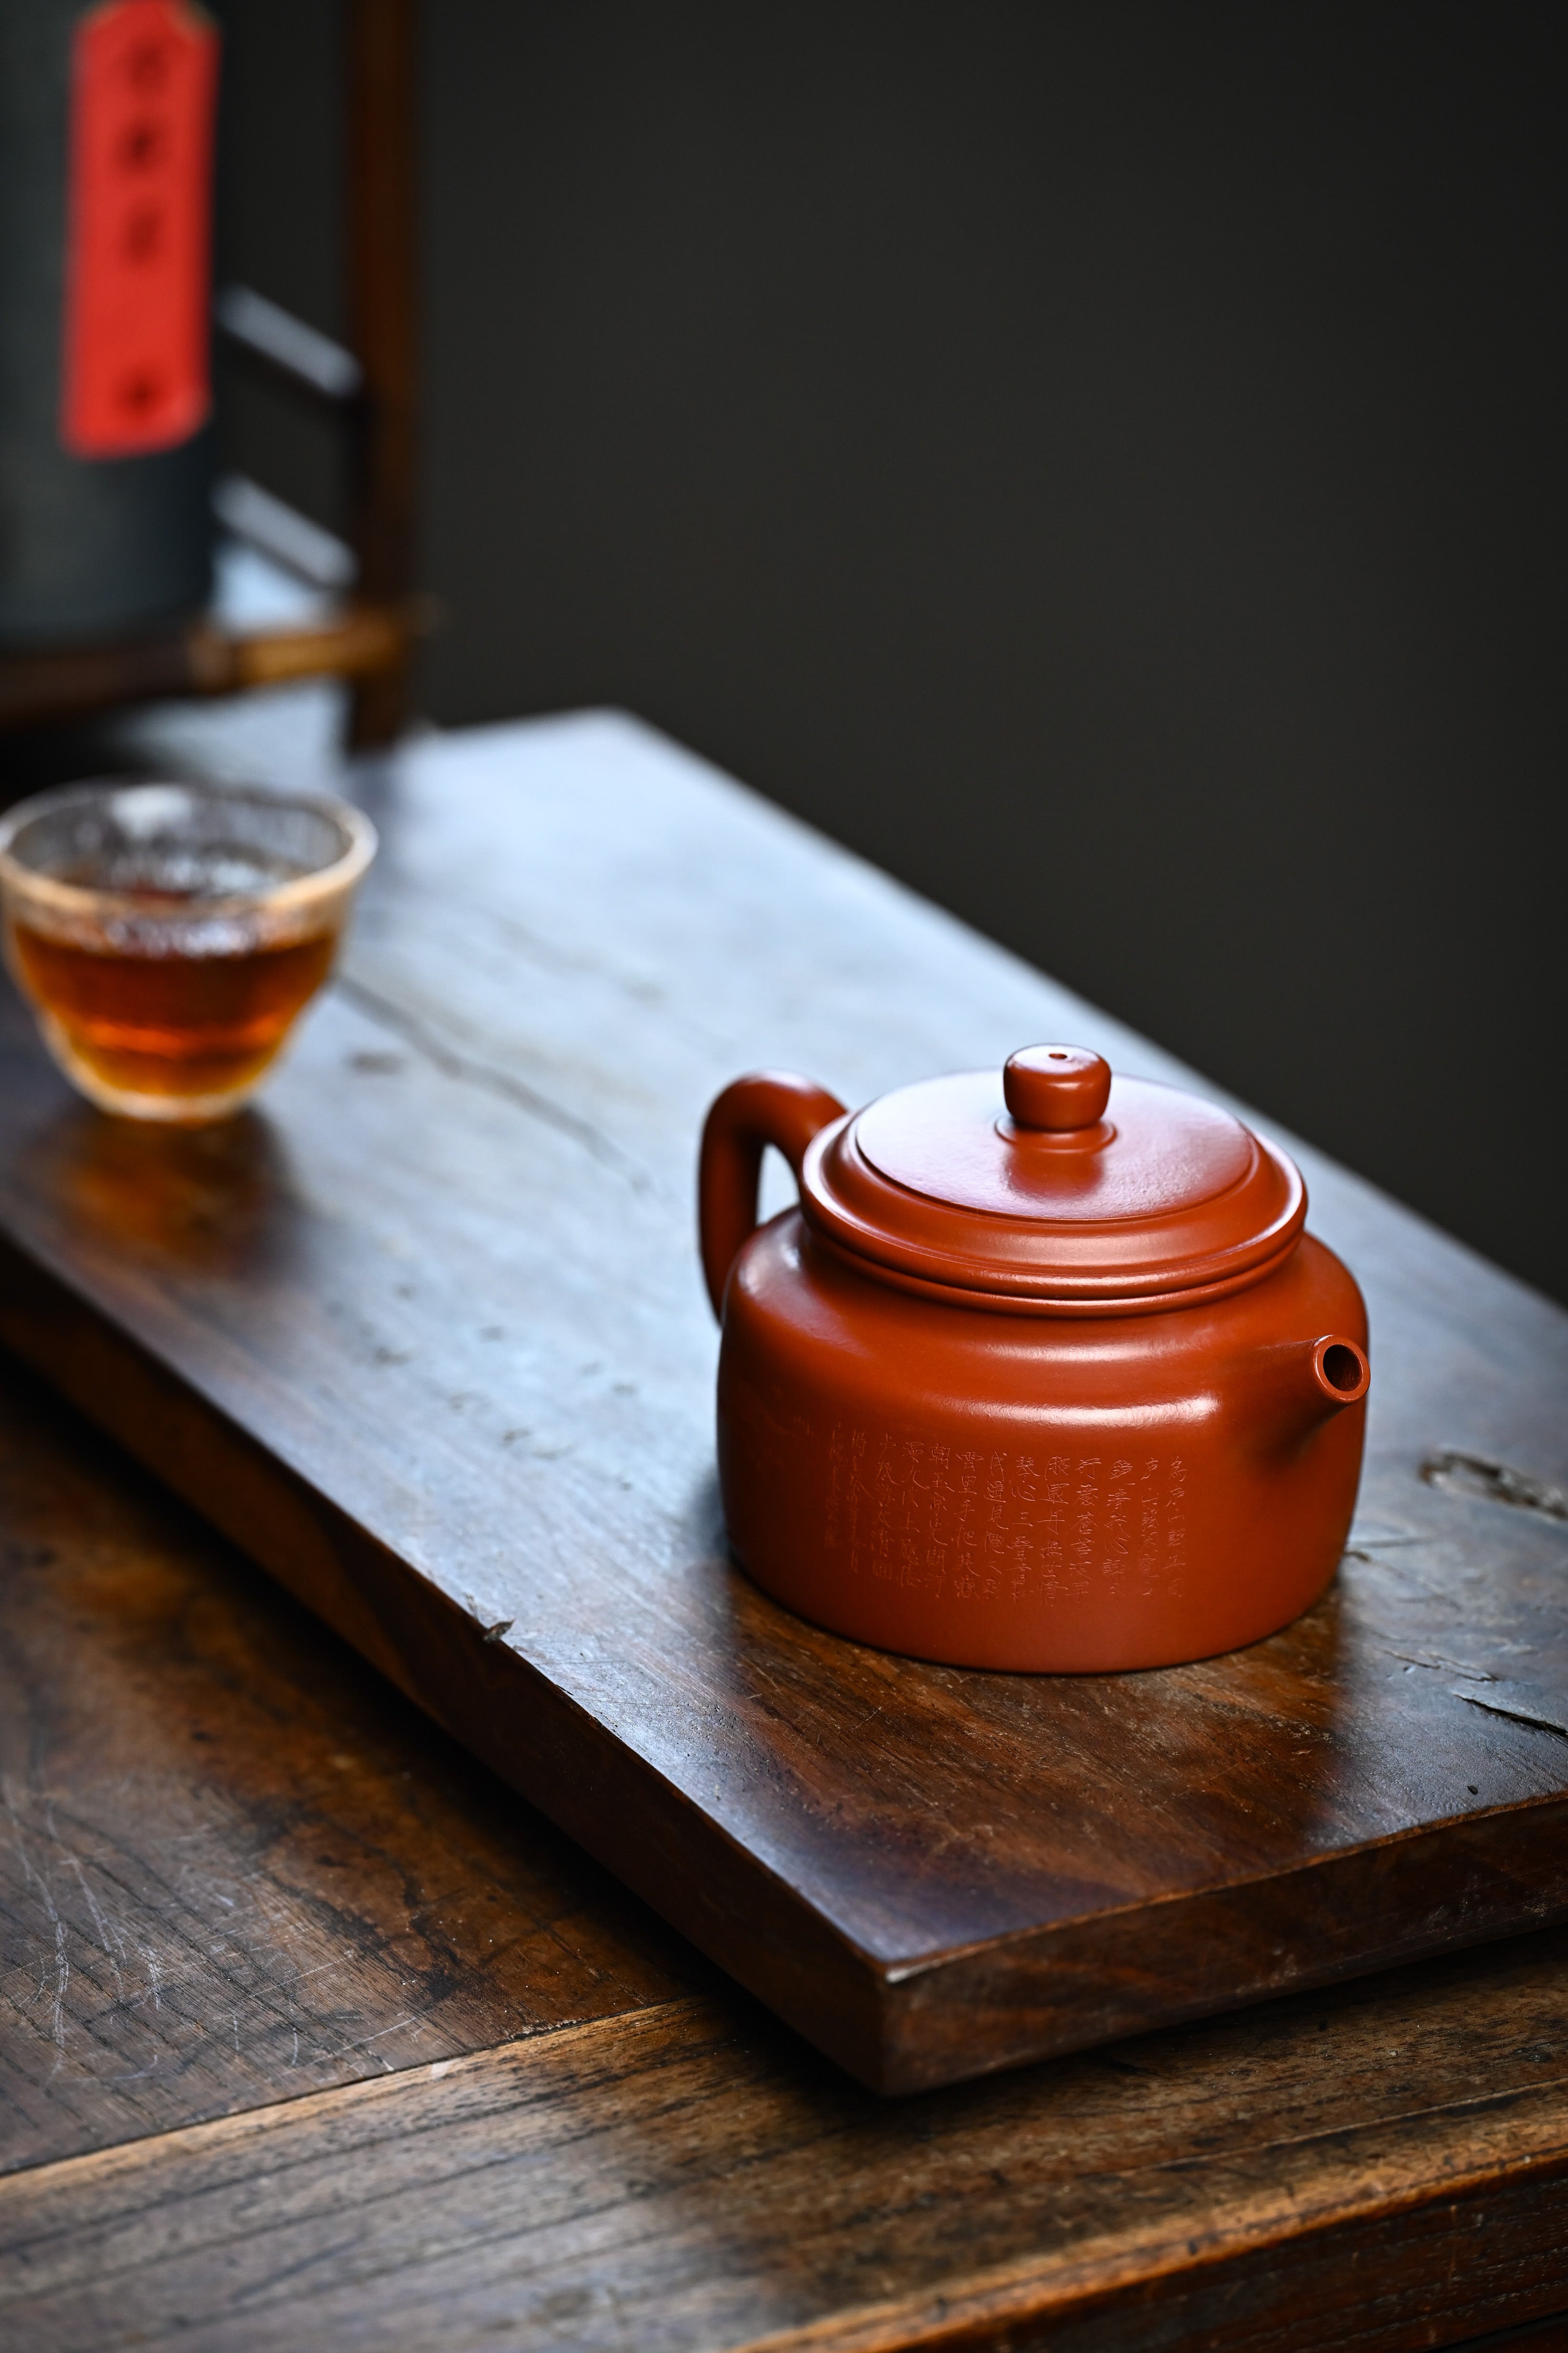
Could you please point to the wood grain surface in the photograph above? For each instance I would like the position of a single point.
(234, 1865)
(241, 1880)
(1382, 2168)
(425, 1334)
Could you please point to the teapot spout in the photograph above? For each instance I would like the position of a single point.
(1298, 1385)
(1340, 1374)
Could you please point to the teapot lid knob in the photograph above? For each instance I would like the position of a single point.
(1057, 1087)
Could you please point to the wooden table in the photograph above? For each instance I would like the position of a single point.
(312, 2035)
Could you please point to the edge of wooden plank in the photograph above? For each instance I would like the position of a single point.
(1327, 2193)
(126, 2156)
(1105, 2277)
(1349, 1913)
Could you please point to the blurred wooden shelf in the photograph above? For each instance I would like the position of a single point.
(370, 393)
(66, 682)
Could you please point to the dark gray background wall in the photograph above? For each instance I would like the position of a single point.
(1104, 461)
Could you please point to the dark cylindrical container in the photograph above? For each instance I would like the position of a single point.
(90, 547)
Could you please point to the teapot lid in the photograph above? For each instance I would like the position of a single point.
(1051, 1185)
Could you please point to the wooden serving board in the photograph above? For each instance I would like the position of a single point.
(425, 1334)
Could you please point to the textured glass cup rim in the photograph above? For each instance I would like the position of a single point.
(293, 898)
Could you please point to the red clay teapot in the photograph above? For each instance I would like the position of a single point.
(1043, 1372)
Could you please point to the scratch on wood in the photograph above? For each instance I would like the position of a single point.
(1521, 1702)
(155, 1977)
(102, 1925)
(363, 2042)
(472, 1072)
(1496, 1483)
(62, 1982)
(62, 1970)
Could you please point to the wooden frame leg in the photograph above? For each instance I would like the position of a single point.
(382, 235)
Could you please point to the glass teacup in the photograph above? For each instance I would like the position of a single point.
(169, 935)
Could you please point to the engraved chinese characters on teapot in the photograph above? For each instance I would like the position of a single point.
(980, 1524)
(1044, 1372)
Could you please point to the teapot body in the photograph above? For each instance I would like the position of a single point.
(1036, 1493)
(1057, 1382)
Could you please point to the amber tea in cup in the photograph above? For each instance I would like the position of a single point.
(169, 935)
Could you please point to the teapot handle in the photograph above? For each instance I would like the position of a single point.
(769, 1107)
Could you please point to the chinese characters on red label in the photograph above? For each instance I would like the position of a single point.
(143, 81)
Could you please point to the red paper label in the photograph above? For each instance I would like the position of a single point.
(143, 80)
